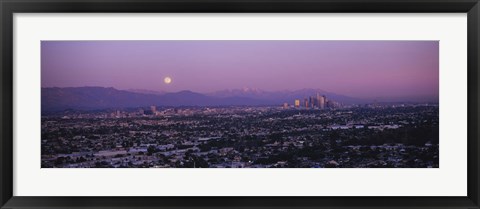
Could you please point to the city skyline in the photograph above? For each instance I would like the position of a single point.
(362, 69)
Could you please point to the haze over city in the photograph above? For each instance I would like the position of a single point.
(360, 69)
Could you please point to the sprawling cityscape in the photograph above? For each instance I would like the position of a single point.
(314, 132)
(240, 104)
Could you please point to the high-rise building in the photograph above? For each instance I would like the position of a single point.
(318, 100)
(285, 105)
(312, 101)
(153, 108)
(297, 103)
(321, 101)
(305, 102)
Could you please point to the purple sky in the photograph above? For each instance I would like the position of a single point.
(363, 69)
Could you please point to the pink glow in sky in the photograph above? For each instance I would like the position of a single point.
(362, 69)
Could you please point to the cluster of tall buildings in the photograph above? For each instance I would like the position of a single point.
(151, 111)
(317, 102)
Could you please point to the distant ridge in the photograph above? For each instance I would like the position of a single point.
(143, 91)
(93, 98)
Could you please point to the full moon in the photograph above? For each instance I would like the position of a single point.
(167, 80)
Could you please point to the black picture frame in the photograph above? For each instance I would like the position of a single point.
(9, 7)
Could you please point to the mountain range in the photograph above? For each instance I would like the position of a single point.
(93, 98)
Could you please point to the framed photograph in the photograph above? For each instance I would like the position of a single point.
(239, 104)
